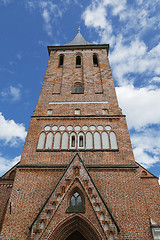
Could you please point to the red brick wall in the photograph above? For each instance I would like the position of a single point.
(122, 189)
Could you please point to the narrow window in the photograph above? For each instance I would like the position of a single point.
(41, 141)
(95, 60)
(89, 141)
(81, 141)
(105, 140)
(57, 141)
(49, 141)
(61, 61)
(73, 141)
(113, 141)
(65, 141)
(97, 140)
(78, 61)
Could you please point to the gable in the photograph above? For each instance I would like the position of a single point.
(75, 176)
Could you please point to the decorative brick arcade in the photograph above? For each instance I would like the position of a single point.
(77, 178)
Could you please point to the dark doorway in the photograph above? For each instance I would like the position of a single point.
(76, 236)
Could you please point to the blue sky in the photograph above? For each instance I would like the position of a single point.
(132, 28)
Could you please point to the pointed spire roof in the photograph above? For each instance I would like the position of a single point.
(78, 40)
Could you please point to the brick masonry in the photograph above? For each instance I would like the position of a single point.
(130, 192)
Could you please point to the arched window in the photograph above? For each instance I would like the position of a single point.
(78, 87)
(89, 140)
(113, 141)
(78, 61)
(65, 141)
(73, 141)
(81, 141)
(61, 58)
(97, 141)
(76, 200)
(57, 140)
(105, 140)
(49, 141)
(41, 141)
(95, 60)
(76, 203)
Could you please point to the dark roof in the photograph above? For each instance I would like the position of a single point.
(78, 40)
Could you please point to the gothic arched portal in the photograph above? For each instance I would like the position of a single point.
(76, 235)
(76, 227)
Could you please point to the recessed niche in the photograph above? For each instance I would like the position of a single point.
(93, 199)
(92, 128)
(49, 111)
(105, 111)
(100, 128)
(106, 226)
(69, 128)
(58, 197)
(77, 112)
(77, 128)
(97, 208)
(108, 128)
(47, 128)
(85, 128)
(54, 128)
(62, 128)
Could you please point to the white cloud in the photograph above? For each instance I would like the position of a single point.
(136, 59)
(146, 147)
(12, 93)
(95, 12)
(11, 132)
(49, 12)
(15, 93)
(97, 15)
(7, 164)
(140, 105)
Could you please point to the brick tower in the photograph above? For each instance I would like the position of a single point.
(77, 178)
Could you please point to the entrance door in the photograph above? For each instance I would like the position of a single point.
(76, 236)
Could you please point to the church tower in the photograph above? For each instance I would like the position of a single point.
(77, 178)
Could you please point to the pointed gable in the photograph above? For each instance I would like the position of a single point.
(76, 176)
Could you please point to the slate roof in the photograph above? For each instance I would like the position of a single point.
(78, 40)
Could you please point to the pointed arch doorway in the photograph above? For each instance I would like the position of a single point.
(75, 228)
(76, 236)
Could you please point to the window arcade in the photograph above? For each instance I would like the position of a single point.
(94, 139)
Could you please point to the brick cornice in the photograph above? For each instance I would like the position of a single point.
(78, 47)
(100, 166)
(78, 116)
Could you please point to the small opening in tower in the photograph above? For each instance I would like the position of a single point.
(78, 61)
(77, 112)
(78, 87)
(61, 60)
(81, 141)
(73, 141)
(95, 60)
